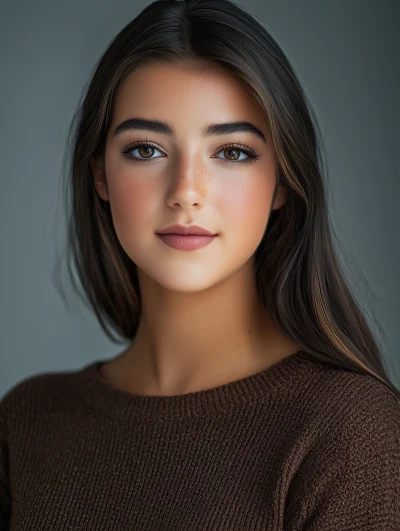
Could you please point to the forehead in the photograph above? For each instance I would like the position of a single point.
(197, 92)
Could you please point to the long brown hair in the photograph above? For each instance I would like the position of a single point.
(297, 269)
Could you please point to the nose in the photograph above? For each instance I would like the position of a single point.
(188, 184)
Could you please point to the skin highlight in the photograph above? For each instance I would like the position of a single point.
(201, 324)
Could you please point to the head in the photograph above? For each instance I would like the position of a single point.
(224, 182)
(191, 64)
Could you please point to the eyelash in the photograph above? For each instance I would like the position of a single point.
(251, 154)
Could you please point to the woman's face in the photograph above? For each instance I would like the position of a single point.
(188, 177)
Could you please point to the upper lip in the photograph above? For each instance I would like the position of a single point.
(186, 229)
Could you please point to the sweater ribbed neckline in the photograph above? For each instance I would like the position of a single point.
(100, 393)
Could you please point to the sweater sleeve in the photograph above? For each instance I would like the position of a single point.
(5, 498)
(350, 477)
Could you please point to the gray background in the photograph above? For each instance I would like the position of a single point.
(344, 52)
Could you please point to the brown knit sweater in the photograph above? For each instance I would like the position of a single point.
(298, 446)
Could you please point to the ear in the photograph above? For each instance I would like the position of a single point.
(99, 177)
(280, 198)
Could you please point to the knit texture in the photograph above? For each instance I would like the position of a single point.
(301, 445)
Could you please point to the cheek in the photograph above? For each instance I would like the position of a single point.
(245, 207)
(133, 205)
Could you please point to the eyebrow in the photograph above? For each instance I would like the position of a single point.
(159, 126)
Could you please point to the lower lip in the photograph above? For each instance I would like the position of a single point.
(186, 243)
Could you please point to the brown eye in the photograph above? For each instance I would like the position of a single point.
(230, 153)
(146, 151)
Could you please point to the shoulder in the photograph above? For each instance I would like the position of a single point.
(345, 464)
(363, 412)
(337, 415)
(38, 392)
(344, 417)
(341, 396)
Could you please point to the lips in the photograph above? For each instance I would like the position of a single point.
(186, 230)
(187, 242)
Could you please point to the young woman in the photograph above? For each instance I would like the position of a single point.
(252, 394)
